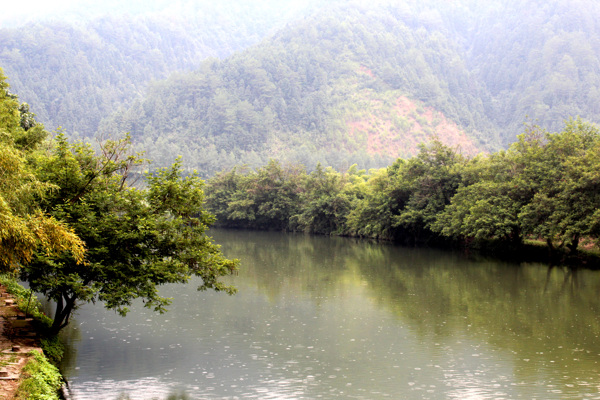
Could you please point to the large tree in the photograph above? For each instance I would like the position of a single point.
(563, 168)
(487, 205)
(136, 238)
(24, 228)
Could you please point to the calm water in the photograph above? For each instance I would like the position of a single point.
(333, 318)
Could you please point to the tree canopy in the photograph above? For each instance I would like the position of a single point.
(76, 229)
(136, 239)
(24, 226)
(544, 187)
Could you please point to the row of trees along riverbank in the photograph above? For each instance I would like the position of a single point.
(544, 187)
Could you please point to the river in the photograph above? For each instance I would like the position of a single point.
(337, 318)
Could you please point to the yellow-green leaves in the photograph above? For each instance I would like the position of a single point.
(24, 228)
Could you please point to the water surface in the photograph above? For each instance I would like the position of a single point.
(335, 318)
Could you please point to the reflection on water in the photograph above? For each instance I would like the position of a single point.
(174, 396)
(319, 317)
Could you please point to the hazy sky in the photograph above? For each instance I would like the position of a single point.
(15, 12)
(14, 8)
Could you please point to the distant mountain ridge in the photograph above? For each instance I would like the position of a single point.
(76, 71)
(355, 83)
(325, 89)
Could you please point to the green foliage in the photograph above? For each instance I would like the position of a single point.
(546, 186)
(426, 183)
(265, 198)
(325, 203)
(23, 226)
(402, 201)
(53, 348)
(42, 380)
(137, 239)
(486, 207)
(375, 206)
(564, 174)
(91, 66)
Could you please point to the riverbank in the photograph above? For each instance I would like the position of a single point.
(17, 342)
(25, 372)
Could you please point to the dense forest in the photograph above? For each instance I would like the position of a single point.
(329, 89)
(77, 70)
(362, 84)
(546, 186)
(337, 83)
(419, 88)
(348, 85)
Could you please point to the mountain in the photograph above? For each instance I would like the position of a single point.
(352, 84)
(78, 67)
(539, 60)
(340, 83)
(366, 84)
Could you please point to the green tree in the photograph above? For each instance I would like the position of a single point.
(221, 190)
(137, 239)
(262, 199)
(377, 201)
(24, 228)
(324, 204)
(487, 205)
(562, 167)
(545, 186)
(425, 184)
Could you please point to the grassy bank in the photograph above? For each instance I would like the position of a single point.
(40, 378)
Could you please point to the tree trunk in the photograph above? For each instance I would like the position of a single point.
(64, 308)
(551, 254)
(572, 246)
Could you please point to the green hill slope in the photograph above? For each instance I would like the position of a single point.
(540, 60)
(77, 70)
(366, 84)
(350, 85)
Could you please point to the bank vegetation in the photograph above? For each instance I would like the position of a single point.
(543, 190)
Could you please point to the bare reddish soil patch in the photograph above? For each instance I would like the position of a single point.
(382, 133)
(366, 71)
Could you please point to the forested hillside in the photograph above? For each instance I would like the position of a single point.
(538, 59)
(350, 85)
(338, 83)
(366, 84)
(75, 72)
